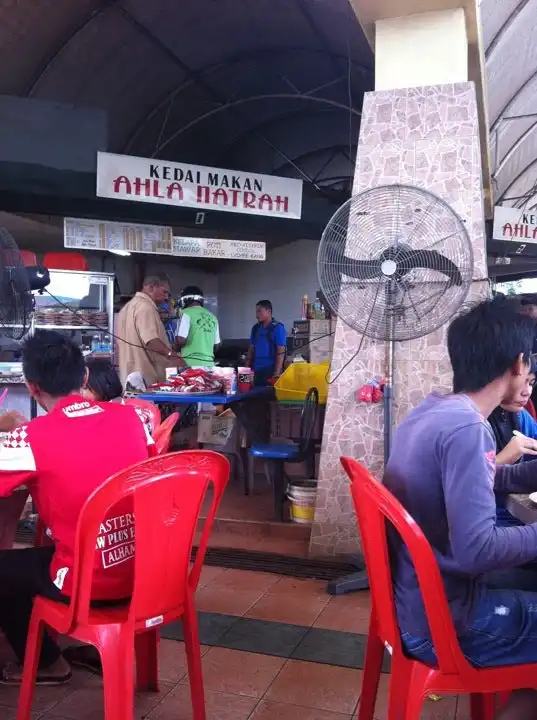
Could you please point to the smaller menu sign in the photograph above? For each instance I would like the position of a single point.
(221, 249)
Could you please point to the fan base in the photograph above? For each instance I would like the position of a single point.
(350, 583)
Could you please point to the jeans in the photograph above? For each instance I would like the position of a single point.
(263, 375)
(23, 575)
(503, 631)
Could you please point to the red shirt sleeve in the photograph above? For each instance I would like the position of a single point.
(17, 462)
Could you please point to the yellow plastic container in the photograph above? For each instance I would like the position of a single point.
(302, 494)
(294, 383)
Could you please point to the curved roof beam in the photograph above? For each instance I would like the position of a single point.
(512, 99)
(340, 148)
(504, 195)
(514, 147)
(66, 42)
(270, 122)
(244, 101)
(232, 60)
(508, 21)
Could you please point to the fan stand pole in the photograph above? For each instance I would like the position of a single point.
(388, 400)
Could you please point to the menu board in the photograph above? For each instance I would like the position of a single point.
(156, 240)
(82, 234)
(221, 249)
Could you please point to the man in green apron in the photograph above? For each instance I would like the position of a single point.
(198, 334)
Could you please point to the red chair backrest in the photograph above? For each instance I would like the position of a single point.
(168, 493)
(148, 409)
(19, 257)
(374, 504)
(28, 258)
(163, 434)
(65, 261)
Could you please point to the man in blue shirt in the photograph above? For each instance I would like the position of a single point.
(268, 345)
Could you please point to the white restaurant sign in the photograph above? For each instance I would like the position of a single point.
(514, 225)
(125, 177)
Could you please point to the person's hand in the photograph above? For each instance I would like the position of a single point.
(518, 446)
(10, 420)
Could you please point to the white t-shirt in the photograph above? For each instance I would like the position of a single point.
(184, 327)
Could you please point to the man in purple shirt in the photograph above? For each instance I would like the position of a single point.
(442, 468)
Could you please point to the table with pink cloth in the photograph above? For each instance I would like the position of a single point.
(11, 509)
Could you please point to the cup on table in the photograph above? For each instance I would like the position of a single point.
(246, 379)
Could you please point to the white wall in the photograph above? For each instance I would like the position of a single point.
(180, 274)
(288, 272)
(426, 49)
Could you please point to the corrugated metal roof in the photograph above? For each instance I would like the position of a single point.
(272, 86)
(511, 62)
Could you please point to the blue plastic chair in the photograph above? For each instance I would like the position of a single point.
(277, 454)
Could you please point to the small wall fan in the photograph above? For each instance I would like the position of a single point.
(395, 263)
(17, 282)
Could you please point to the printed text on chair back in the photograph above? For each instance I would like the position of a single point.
(166, 495)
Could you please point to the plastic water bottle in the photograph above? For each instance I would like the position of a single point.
(95, 344)
(233, 389)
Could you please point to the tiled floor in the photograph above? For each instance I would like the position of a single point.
(235, 505)
(240, 684)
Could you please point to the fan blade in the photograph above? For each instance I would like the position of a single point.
(432, 260)
(358, 269)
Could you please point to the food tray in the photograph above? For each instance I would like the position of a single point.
(186, 392)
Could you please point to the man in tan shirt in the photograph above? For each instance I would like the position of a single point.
(142, 342)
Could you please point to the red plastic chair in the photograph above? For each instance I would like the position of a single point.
(167, 494)
(412, 681)
(65, 261)
(40, 537)
(18, 257)
(163, 434)
(149, 409)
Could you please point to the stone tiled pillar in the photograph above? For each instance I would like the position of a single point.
(428, 137)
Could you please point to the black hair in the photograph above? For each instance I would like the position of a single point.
(53, 363)
(265, 304)
(485, 342)
(103, 379)
(192, 290)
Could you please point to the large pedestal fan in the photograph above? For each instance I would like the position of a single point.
(17, 283)
(395, 263)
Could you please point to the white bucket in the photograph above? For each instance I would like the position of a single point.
(302, 494)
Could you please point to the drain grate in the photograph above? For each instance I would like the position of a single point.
(235, 559)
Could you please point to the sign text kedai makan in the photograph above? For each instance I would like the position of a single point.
(222, 189)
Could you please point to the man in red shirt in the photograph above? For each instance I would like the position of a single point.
(61, 458)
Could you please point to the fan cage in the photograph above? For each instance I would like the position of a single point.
(395, 262)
